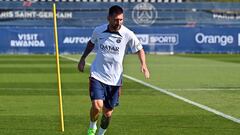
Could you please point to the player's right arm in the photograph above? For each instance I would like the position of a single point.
(88, 49)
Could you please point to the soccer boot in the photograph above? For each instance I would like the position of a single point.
(91, 131)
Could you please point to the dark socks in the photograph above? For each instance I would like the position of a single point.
(105, 122)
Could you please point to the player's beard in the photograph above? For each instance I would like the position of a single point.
(116, 27)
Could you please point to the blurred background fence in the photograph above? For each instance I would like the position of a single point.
(174, 26)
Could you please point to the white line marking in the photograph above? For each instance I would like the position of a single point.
(205, 89)
(204, 107)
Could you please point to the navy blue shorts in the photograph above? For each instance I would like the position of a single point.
(109, 94)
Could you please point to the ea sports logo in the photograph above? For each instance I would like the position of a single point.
(144, 14)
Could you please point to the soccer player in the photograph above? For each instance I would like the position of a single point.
(106, 72)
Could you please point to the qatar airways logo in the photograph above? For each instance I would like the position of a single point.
(109, 49)
(223, 40)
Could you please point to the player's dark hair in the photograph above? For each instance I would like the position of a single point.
(115, 10)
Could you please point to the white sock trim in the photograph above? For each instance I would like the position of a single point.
(93, 125)
(101, 131)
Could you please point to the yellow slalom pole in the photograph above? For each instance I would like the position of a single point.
(58, 68)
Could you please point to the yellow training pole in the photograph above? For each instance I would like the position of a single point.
(58, 68)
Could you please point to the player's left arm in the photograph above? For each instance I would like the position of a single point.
(144, 68)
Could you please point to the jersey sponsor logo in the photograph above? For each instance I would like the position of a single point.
(223, 40)
(109, 49)
(144, 14)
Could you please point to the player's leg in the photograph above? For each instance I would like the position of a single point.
(112, 94)
(94, 114)
(106, 118)
(96, 109)
(96, 91)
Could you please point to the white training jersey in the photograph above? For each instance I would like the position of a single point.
(107, 66)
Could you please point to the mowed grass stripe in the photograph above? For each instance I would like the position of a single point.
(30, 70)
(66, 91)
(51, 89)
(229, 58)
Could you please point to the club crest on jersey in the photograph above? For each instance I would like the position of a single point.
(118, 40)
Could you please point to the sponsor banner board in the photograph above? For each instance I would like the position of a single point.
(74, 40)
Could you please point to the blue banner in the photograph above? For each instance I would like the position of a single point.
(155, 40)
(26, 40)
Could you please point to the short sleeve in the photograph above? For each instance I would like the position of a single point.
(134, 43)
(94, 37)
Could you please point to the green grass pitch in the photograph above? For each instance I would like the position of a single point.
(29, 100)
